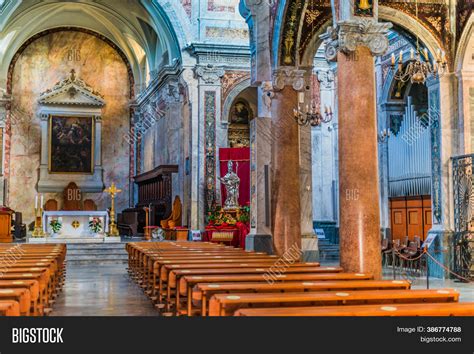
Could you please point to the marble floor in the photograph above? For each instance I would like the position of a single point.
(106, 290)
(466, 289)
(101, 290)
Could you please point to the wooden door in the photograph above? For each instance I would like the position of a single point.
(414, 218)
(398, 218)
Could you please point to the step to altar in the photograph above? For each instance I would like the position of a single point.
(66, 239)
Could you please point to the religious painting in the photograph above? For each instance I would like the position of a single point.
(71, 144)
(241, 113)
(364, 8)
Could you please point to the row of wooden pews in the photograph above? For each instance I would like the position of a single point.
(31, 276)
(206, 279)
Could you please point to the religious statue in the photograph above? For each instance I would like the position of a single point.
(231, 182)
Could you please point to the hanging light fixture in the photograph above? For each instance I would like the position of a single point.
(311, 114)
(383, 136)
(419, 67)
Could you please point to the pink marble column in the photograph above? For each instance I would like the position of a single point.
(358, 165)
(286, 210)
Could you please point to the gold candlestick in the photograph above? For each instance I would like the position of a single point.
(38, 231)
(113, 190)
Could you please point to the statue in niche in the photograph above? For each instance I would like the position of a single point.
(364, 8)
(231, 182)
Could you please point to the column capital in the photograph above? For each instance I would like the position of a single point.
(209, 74)
(326, 78)
(44, 117)
(289, 76)
(350, 34)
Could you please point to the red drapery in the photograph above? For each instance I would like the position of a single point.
(241, 159)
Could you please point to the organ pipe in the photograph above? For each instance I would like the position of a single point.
(409, 156)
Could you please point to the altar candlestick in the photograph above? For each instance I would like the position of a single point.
(36, 201)
(41, 205)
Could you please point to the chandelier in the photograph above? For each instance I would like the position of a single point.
(311, 115)
(419, 67)
(306, 115)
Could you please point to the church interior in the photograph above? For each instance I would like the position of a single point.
(237, 158)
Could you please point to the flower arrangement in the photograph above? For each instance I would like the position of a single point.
(55, 225)
(95, 225)
(245, 214)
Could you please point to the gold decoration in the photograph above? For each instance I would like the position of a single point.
(38, 231)
(113, 191)
(75, 224)
(312, 15)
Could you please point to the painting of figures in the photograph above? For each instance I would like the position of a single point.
(71, 148)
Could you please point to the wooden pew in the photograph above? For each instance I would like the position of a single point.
(202, 292)
(20, 295)
(226, 305)
(9, 308)
(154, 267)
(31, 285)
(38, 270)
(149, 260)
(187, 282)
(451, 309)
(173, 281)
(163, 261)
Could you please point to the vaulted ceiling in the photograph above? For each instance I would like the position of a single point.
(140, 29)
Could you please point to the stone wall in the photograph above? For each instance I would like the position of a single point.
(43, 63)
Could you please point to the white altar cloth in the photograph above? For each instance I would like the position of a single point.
(80, 219)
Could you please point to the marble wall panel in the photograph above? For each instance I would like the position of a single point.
(44, 62)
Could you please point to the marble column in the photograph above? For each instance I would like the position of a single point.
(445, 144)
(466, 108)
(209, 86)
(309, 240)
(4, 104)
(260, 238)
(354, 42)
(358, 164)
(286, 207)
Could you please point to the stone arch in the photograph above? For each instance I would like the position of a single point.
(466, 38)
(123, 26)
(464, 66)
(407, 23)
(75, 29)
(231, 96)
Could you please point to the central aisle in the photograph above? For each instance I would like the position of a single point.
(101, 290)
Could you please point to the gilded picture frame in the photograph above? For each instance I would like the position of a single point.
(71, 144)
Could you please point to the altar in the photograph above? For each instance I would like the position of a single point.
(75, 224)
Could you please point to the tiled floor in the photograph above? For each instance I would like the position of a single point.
(101, 290)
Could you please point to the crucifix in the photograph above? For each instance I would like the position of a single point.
(113, 190)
